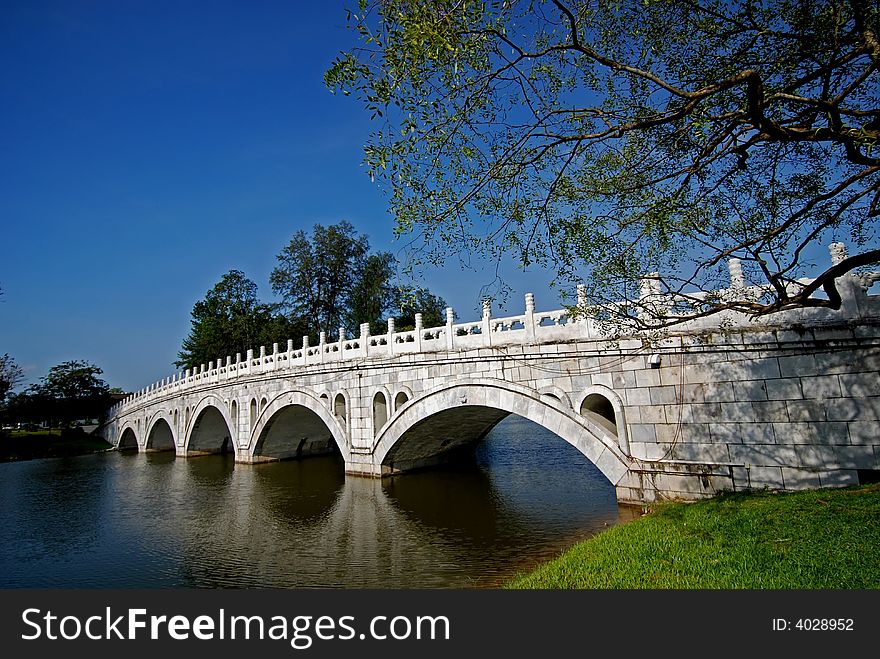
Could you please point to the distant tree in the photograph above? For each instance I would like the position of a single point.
(373, 294)
(315, 277)
(412, 300)
(74, 391)
(607, 140)
(230, 320)
(10, 375)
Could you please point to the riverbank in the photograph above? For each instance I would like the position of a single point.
(48, 444)
(818, 539)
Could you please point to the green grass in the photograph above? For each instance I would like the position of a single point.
(28, 445)
(819, 539)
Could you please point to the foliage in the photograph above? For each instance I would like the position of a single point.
(814, 539)
(71, 390)
(331, 280)
(610, 140)
(373, 293)
(10, 375)
(231, 320)
(416, 299)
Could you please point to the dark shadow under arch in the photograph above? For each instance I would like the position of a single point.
(128, 441)
(160, 438)
(292, 432)
(210, 434)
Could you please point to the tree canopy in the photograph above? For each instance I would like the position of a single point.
(10, 375)
(331, 280)
(324, 281)
(611, 140)
(230, 320)
(70, 390)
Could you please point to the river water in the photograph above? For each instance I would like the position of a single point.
(145, 521)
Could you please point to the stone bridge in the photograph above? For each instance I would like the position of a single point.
(718, 404)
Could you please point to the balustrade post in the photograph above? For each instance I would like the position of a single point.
(341, 341)
(418, 332)
(531, 329)
(322, 340)
(450, 332)
(305, 355)
(838, 253)
(737, 279)
(391, 337)
(487, 322)
(365, 339)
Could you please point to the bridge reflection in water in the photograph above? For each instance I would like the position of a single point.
(162, 521)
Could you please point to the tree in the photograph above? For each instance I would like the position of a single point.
(331, 280)
(415, 299)
(10, 375)
(73, 390)
(609, 140)
(230, 320)
(373, 294)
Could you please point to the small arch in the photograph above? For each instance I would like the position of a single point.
(400, 400)
(557, 394)
(603, 407)
(294, 407)
(263, 403)
(253, 414)
(210, 431)
(339, 406)
(161, 435)
(380, 412)
(233, 412)
(128, 440)
(324, 398)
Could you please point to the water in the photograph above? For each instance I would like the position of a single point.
(145, 521)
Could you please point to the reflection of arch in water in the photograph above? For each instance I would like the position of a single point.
(427, 430)
(294, 425)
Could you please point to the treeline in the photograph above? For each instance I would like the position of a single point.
(324, 281)
(69, 392)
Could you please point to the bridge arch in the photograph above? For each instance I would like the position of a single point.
(602, 406)
(210, 429)
(128, 440)
(160, 433)
(456, 414)
(297, 409)
(402, 397)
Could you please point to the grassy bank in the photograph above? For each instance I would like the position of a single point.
(47, 444)
(818, 539)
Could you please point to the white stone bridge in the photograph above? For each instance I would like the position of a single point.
(719, 404)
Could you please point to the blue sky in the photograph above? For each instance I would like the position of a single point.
(149, 147)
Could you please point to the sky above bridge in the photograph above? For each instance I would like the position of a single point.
(151, 146)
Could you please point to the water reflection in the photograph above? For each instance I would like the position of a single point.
(152, 520)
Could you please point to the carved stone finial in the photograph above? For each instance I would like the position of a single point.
(838, 252)
(737, 279)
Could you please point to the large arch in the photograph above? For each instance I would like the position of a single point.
(128, 440)
(210, 429)
(160, 435)
(460, 413)
(296, 424)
